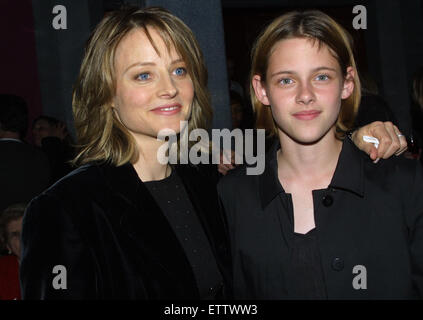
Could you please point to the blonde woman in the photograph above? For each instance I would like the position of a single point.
(322, 221)
(123, 225)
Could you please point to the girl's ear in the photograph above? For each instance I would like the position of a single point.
(348, 87)
(260, 90)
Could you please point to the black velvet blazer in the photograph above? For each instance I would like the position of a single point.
(102, 225)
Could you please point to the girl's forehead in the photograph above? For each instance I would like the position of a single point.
(301, 52)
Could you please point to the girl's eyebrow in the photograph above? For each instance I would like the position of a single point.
(293, 72)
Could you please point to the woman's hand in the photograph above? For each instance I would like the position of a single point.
(229, 157)
(59, 130)
(391, 141)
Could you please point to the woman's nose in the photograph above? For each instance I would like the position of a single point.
(167, 87)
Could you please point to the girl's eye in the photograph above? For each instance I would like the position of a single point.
(285, 81)
(144, 76)
(322, 77)
(180, 71)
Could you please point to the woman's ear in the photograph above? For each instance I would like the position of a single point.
(260, 90)
(348, 86)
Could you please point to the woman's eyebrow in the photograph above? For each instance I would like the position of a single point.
(139, 64)
(177, 61)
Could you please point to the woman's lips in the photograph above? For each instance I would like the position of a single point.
(168, 110)
(307, 115)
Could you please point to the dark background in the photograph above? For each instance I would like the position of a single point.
(41, 63)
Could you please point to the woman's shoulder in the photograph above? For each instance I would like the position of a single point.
(83, 183)
(69, 196)
(77, 181)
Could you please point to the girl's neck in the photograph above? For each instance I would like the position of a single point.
(308, 162)
(147, 166)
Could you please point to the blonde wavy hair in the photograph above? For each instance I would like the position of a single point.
(100, 135)
(317, 26)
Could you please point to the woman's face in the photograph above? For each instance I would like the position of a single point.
(153, 89)
(304, 87)
(13, 231)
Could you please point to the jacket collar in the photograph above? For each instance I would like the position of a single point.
(123, 180)
(144, 222)
(349, 174)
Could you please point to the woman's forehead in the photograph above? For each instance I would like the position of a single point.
(148, 41)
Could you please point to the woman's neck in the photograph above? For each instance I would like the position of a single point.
(147, 166)
(315, 162)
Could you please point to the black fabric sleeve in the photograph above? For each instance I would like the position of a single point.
(50, 240)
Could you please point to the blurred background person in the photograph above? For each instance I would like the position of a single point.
(24, 170)
(51, 135)
(416, 137)
(10, 234)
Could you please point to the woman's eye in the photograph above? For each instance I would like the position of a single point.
(180, 71)
(144, 76)
(322, 77)
(285, 81)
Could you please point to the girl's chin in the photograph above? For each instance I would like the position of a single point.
(307, 138)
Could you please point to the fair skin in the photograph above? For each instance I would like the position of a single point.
(304, 87)
(153, 92)
(13, 230)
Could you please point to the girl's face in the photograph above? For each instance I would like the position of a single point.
(153, 89)
(304, 87)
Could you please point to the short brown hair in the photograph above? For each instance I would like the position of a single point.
(317, 26)
(100, 135)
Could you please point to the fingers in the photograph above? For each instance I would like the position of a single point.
(222, 169)
(403, 141)
(390, 143)
(227, 161)
(375, 129)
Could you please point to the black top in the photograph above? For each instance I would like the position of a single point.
(103, 225)
(369, 230)
(172, 198)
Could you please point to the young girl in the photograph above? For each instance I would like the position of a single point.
(322, 221)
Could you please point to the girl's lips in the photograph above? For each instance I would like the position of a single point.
(307, 115)
(168, 110)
